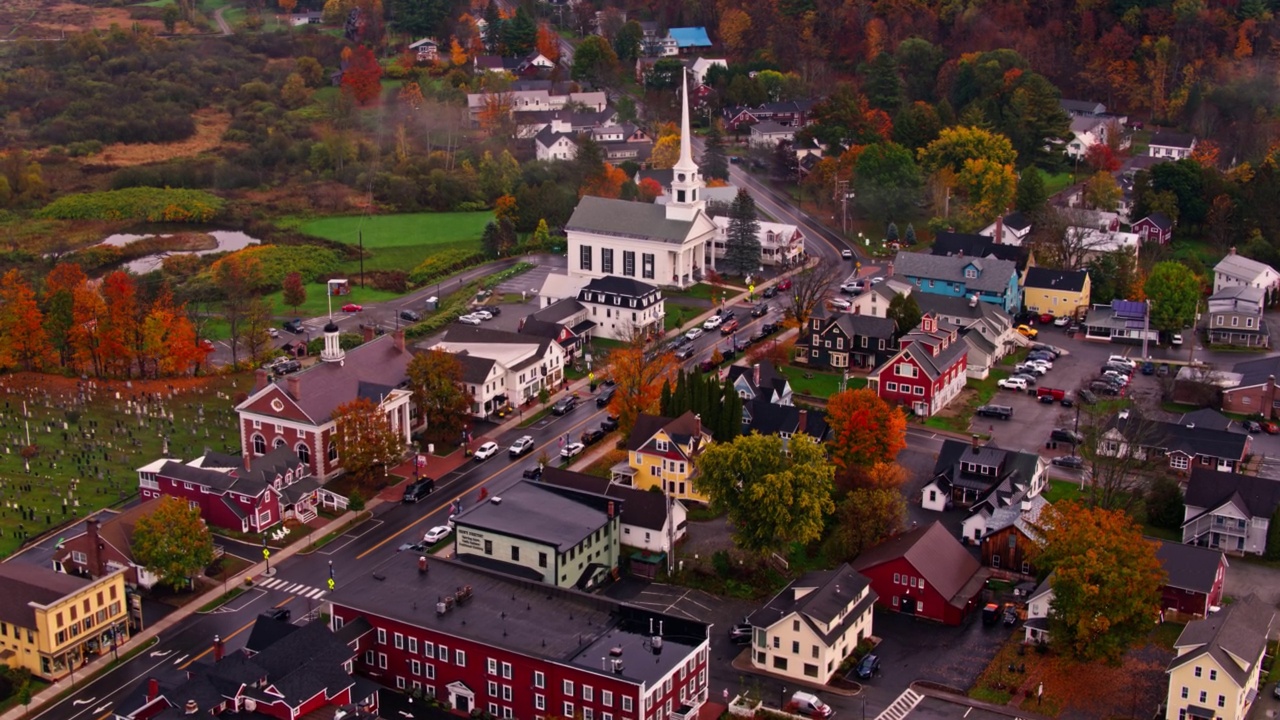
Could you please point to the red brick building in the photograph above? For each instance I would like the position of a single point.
(246, 496)
(481, 641)
(926, 573)
(296, 411)
(927, 372)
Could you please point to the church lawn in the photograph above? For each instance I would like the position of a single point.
(105, 442)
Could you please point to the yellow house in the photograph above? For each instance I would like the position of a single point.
(1057, 292)
(51, 622)
(809, 628)
(1216, 673)
(661, 454)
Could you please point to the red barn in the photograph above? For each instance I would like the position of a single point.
(925, 572)
(483, 642)
(248, 496)
(927, 372)
(1195, 579)
(1156, 228)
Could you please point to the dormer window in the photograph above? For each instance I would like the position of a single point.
(971, 272)
(661, 445)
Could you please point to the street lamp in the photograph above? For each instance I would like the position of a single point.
(782, 699)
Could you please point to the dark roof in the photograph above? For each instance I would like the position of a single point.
(1050, 279)
(621, 286)
(639, 507)
(550, 515)
(1084, 107)
(1160, 220)
(993, 273)
(267, 632)
(1234, 637)
(1017, 221)
(116, 529)
(866, 325)
(1206, 418)
(305, 662)
(558, 311)
(770, 419)
(1256, 372)
(932, 551)
(933, 365)
(1014, 467)
(24, 584)
(561, 625)
(681, 429)
(1172, 139)
(547, 137)
(623, 218)
(950, 243)
(262, 472)
(475, 369)
(1210, 489)
(1189, 567)
(770, 378)
(958, 307)
(818, 597)
(1175, 437)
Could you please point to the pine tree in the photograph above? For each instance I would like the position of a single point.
(680, 398)
(714, 165)
(664, 403)
(892, 232)
(491, 239)
(742, 242)
(911, 234)
(1031, 194)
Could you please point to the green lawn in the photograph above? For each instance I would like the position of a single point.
(957, 420)
(401, 230)
(1055, 182)
(704, 291)
(1062, 490)
(822, 384)
(317, 303)
(678, 314)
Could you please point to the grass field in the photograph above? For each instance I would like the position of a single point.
(822, 384)
(399, 242)
(317, 303)
(87, 451)
(1055, 182)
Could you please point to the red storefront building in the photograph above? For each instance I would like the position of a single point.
(487, 642)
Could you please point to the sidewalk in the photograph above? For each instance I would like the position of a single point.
(85, 672)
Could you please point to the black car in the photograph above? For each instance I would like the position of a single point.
(740, 634)
(604, 398)
(494, 310)
(286, 367)
(419, 489)
(769, 328)
(564, 405)
(410, 315)
(1000, 412)
(281, 613)
(727, 314)
(535, 473)
(610, 423)
(294, 326)
(1105, 388)
(759, 335)
(590, 437)
(869, 666)
(680, 342)
(1075, 462)
(769, 292)
(1066, 436)
(1086, 396)
(685, 352)
(760, 310)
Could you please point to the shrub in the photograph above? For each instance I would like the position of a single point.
(355, 501)
(444, 263)
(276, 261)
(139, 203)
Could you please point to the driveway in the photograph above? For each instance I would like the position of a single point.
(1245, 577)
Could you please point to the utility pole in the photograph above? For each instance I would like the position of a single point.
(1146, 328)
(842, 190)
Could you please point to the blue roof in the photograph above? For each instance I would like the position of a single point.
(690, 37)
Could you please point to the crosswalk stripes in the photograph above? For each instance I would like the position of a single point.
(901, 707)
(300, 589)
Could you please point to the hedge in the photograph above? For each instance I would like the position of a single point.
(138, 203)
(314, 263)
(444, 263)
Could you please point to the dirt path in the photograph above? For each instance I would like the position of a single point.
(223, 25)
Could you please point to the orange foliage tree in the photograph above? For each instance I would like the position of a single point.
(865, 430)
(548, 43)
(87, 314)
(457, 54)
(1101, 158)
(59, 293)
(1206, 153)
(650, 190)
(169, 342)
(504, 208)
(121, 331)
(362, 78)
(639, 379)
(23, 341)
(606, 184)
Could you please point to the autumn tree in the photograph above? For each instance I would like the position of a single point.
(295, 291)
(742, 237)
(173, 542)
(294, 93)
(845, 118)
(606, 184)
(665, 153)
(237, 277)
(364, 438)
(23, 340)
(548, 43)
(811, 288)
(865, 430)
(772, 497)
(59, 298)
(1174, 293)
(864, 517)
(435, 377)
(639, 378)
(648, 190)
(1106, 580)
(252, 333)
(981, 162)
(121, 331)
(905, 313)
(1101, 158)
(169, 343)
(88, 318)
(362, 77)
(1102, 193)
(594, 61)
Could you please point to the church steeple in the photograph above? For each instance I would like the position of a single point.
(686, 184)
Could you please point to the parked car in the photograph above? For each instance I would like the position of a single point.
(469, 320)
(273, 333)
(410, 315)
(847, 254)
(729, 328)
(707, 365)
(740, 634)
(869, 666)
(1000, 412)
(1075, 462)
(1030, 368)
(280, 613)
(591, 437)
(610, 423)
(1010, 615)
(769, 292)
(726, 314)
(1123, 361)
(1270, 428)
(839, 304)
(352, 308)
(694, 333)
(1176, 340)
(685, 352)
(1028, 331)
(1252, 426)
(437, 533)
(571, 450)
(486, 451)
(1066, 436)
(1044, 347)
(1086, 396)
(759, 335)
(852, 288)
(769, 328)
(785, 284)
(534, 473)
(1107, 389)
(286, 367)
(810, 706)
(1028, 378)
(760, 310)
(604, 398)
(521, 446)
(564, 405)
(418, 489)
(1044, 357)
(1063, 321)
(294, 326)
(1013, 383)
(1148, 368)
(1046, 318)
(482, 314)
(1163, 370)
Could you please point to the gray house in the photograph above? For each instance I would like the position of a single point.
(1235, 317)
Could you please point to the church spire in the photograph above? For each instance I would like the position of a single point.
(686, 185)
(685, 162)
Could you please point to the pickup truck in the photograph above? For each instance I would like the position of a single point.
(1050, 395)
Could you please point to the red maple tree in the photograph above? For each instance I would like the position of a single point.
(362, 77)
(866, 430)
(23, 341)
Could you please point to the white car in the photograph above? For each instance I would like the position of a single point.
(712, 322)
(1031, 368)
(1122, 360)
(1062, 321)
(486, 451)
(877, 280)
(1046, 364)
(469, 320)
(1176, 340)
(1013, 383)
(694, 333)
(437, 533)
(482, 314)
(846, 254)
(272, 332)
(521, 446)
(573, 449)
(840, 304)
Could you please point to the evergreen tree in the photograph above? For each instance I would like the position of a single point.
(905, 311)
(493, 28)
(1031, 193)
(731, 421)
(491, 239)
(1273, 537)
(742, 241)
(680, 398)
(520, 33)
(892, 232)
(714, 164)
(911, 234)
(883, 86)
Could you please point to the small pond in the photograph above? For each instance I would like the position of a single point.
(227, 240)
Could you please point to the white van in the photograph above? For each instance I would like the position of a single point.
(810, 706)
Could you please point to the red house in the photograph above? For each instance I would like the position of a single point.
(925, 572)
(1156, 227)
(1195, 579)
(296, 411)
(481, 641)
(301, 669)
(248, 497)
(927, 372)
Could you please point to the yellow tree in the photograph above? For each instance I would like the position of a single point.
(457, 54)
(365, 440)
(665, 152)
(990, 187)
(735, 30)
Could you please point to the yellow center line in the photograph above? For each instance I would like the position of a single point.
(459, 496)
(105, 715)
(246, 626)
(284, 602)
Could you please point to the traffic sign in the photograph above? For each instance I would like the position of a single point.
(330, 584)
(266, 554)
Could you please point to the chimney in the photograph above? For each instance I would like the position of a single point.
(999, 230)
(610, 509)
(755, 374)
(153, 689)
(802, 421)
(1232, 251)
(97, 566)
(367, 332)
(960, 252)
(974, 442)
(888, 270)
(217, 648)
(398, 339)
(191, 708)
(294, 386)
(259, 379)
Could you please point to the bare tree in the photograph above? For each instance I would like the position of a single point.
(811, 287)
(1067, 237)
(1120, 447)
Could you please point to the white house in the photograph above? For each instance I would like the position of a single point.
(780, 244)
(522, 365)
(1236, 270)
(769, 133)
(661, 244)
(1036, 627)
(1086, 132)
(699, 68)
(549, 144)
(1012, 229)
(619, 306)
(650, 521)
(1177, 146)
(538, 99)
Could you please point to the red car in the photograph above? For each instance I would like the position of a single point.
(352, 307)
(1046, 319)
(785, 284)
(1271, 428)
